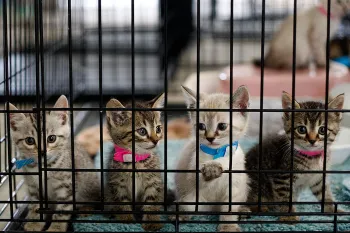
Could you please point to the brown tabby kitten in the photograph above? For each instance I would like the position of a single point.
(148, 185)
(309, 133)
(58, 155)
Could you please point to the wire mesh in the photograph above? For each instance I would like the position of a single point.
(96, 49)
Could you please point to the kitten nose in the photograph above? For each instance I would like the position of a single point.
(155, 141)
(210, 139)
(312, 142)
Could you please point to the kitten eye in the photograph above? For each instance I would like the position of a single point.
(51, 138)
(302, 129)
(322, 130)
(142, 131)
(201, 126)
(222, 126)
(30, 141)
(159, 129)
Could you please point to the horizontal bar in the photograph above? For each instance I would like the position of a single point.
(185, 203)
(174, 109)
(171, 221)
(195, 213)
(175, 171)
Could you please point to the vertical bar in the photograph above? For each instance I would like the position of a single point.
(177, 223)
(7, 96)
(10, 52)
(21, 48)
(133, 99)
(291, 175)
(71, 95)
(335, 224)
(82, 30)
(231, 91)
(101, 97)
(197, 103)
(26, 42)
(15, 47)
(18, 76)
(326, 106)
(37, 74)
(43, 95)
(261, 97)
(165, 103)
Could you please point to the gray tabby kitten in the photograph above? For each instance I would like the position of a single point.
(149, 185)
(309, 134)
(58, 155)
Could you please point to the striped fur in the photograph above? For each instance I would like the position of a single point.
(149, 185)
(277, 155)
(58, 155)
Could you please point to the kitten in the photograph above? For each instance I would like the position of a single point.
(214, 132)
(309, 133)
(311, 36)
(58, 155)
(149, 185)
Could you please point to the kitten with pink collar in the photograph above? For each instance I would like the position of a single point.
(308, 155)
(148, 185)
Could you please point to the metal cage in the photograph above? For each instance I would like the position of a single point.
(90, 51)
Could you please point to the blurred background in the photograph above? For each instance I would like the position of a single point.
(151, 53)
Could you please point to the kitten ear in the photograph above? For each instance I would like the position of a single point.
(62, 102)
(115, 117)
(158, 102)
(337, 102)
(190, 97)
(287, 103)
(240, 98)
(15, 118)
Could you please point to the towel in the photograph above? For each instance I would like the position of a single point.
(341, 193)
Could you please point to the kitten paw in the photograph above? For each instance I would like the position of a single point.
(124, 217)
(34, 226)
(85, 208)
(229, 228)
(263, 208)
(181, 217)
(151, 226)
(287, 219)
(331, 209)
(246, 210)
(57, 226)
(211, 171)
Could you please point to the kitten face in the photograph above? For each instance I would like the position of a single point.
(309, 127)
(148, 126)
(25, 135)
(214, 127)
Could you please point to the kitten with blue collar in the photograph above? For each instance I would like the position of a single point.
(214, 155)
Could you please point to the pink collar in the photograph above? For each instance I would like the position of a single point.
(311, 153)
(324, 11)
(123, 155)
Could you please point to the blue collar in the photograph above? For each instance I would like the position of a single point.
(218, 152)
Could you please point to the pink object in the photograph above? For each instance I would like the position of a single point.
(276, 81)
(324, 11)
(123, 155)
(311, 153)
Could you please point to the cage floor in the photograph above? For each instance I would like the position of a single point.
(339, 190)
